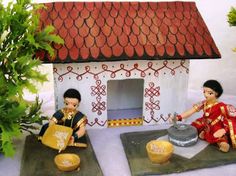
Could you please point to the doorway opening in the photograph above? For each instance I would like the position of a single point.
(125, 102)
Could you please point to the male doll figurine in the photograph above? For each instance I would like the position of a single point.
(69, 116)
(218, 123)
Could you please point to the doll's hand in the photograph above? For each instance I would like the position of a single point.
(219, 133)
(176, 117)
(71, 141)
(172, 119)
(51, 122)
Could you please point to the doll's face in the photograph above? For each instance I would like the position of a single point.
(71, 103)
(209, 94)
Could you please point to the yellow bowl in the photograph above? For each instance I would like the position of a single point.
(159, 151)
(67, 161)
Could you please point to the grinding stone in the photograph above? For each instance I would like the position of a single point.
(182, 135)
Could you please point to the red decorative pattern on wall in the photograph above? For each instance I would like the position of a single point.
(158, 118)
(98, 90)
(153, 104)
(113, 72)
(96, 122)
(111, 31)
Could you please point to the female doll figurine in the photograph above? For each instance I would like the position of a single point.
(70, 117)
(218, 122)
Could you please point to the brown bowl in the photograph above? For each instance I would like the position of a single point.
(159, 151)
(67, 161)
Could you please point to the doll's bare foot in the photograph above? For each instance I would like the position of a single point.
(202, 135)
(223, 146)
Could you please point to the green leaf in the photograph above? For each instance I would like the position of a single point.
(7, 137)
(232, 17)
(8, 149)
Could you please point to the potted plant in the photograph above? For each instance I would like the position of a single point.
(20, 39)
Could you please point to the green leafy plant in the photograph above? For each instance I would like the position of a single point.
(232, 19)
(20, 39)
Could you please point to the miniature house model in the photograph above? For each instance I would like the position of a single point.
(129, 60)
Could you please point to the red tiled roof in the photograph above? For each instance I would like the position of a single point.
(98, 31)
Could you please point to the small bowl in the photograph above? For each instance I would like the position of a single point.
(159, 151)
(67, 161)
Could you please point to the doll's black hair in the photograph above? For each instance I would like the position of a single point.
(72, 93)
(214, 85)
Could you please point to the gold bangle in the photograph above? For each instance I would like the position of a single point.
(196, 108)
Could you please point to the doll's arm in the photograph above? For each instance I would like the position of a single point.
(183, 115)
(80, 128)
(188, 113)
(56, 116)
(196, 108)
(81, 131)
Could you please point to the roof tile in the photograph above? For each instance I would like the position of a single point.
(198, 48)
(58, 23)
(95, 31)
(133, 40)
(123, 39)
(119, 21)
(63, 52)
(68, 42)
(180, 49)
(170, 48)
(94, 50)
(69, 22)
(69, 6)
(74, 53)
(73, 32)
(152, 38)
(63, 32)
(84, 51)
(117, 50)
(126, 29)
(128, 21)
(117, 5)
(106, 51)
(139, 50)
(79, 41)
(172, 38)
(173, 29)
(150, 50)
(100, 40)
(189, 48)
(63, 14)
(89, 6)
(89, 41)
(160, 50)
(129, 50)
(73, 14)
